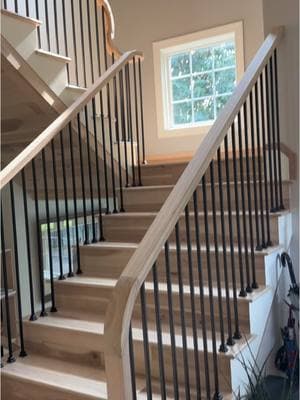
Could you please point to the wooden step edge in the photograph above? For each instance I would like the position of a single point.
(119, 246)
(171, 186)
(55, 56)
(22, 370)
(22, 18)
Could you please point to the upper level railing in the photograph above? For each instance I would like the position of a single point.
(54, 192)
(247, 185)
(81, 30)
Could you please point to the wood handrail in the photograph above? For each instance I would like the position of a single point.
(109, 28)
(120, 308)
(18, 163)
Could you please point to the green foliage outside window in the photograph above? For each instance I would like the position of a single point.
(202, 80)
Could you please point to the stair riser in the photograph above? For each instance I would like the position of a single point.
(110, 265)
(74, 301)
(132, 229)
(168, 174)
(223, 365)
(153, 199)
(65, 344)
(243, 310)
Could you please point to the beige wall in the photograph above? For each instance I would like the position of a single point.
(141, 22)
(286, 12)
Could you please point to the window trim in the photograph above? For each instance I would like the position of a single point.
(161, 52)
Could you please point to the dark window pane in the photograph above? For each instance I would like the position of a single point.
(180, 64)
(203, 110)
(182, 113)
(181, 89)
(225, 81)
(203, 85)
(220, 102)
(224, 55)
(202, 60)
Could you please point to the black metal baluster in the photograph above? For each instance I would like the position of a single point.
(82, 43)
(97, 37)
(53, 306)
(16, 6)
(27, 8)
(89, 29)
(74, 190)
(192, 300)
(142, 111)
(57, 211)
(159, 334)
(137, 123)
(123, 124)
(17, 270)
(268, 128)
(66, 37)
(11, 357)
(112, 161)
(104, 153)
(86, 230)
(129, 121)
(171, 322)
(132, 364)
(254, 282)
(33, 316)
(266, 242)
(243, 292)
(56, 26)
(253, 154)
(38, 238)
(97, 160)
(281, 205)
(223, 348)
(230, 340)
(182, 315)
(237, 335)
(116, 116)
(74, 42)
(88, 148)
(146, 343)
(5, 8)
(201, 289)
(272, 99)
(217, 394)
(38, 17)
(245, 234)
(47, 25)
(63, 164)
(258, 135)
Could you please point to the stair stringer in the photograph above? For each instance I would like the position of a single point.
(263, 313)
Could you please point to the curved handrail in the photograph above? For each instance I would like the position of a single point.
(120, 308)
(109, 28)
(18, 163)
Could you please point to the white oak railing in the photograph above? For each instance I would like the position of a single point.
(120, 309)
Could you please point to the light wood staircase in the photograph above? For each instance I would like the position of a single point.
(65, 349)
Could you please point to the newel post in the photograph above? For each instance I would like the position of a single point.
(116, 338)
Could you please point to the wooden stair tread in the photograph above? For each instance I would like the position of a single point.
(63, 375)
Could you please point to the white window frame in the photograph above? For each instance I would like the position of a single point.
(161, 53)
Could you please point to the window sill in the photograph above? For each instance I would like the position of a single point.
(186, 131)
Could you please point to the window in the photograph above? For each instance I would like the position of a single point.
(197, 75)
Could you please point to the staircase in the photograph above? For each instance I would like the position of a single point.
(135, 280)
